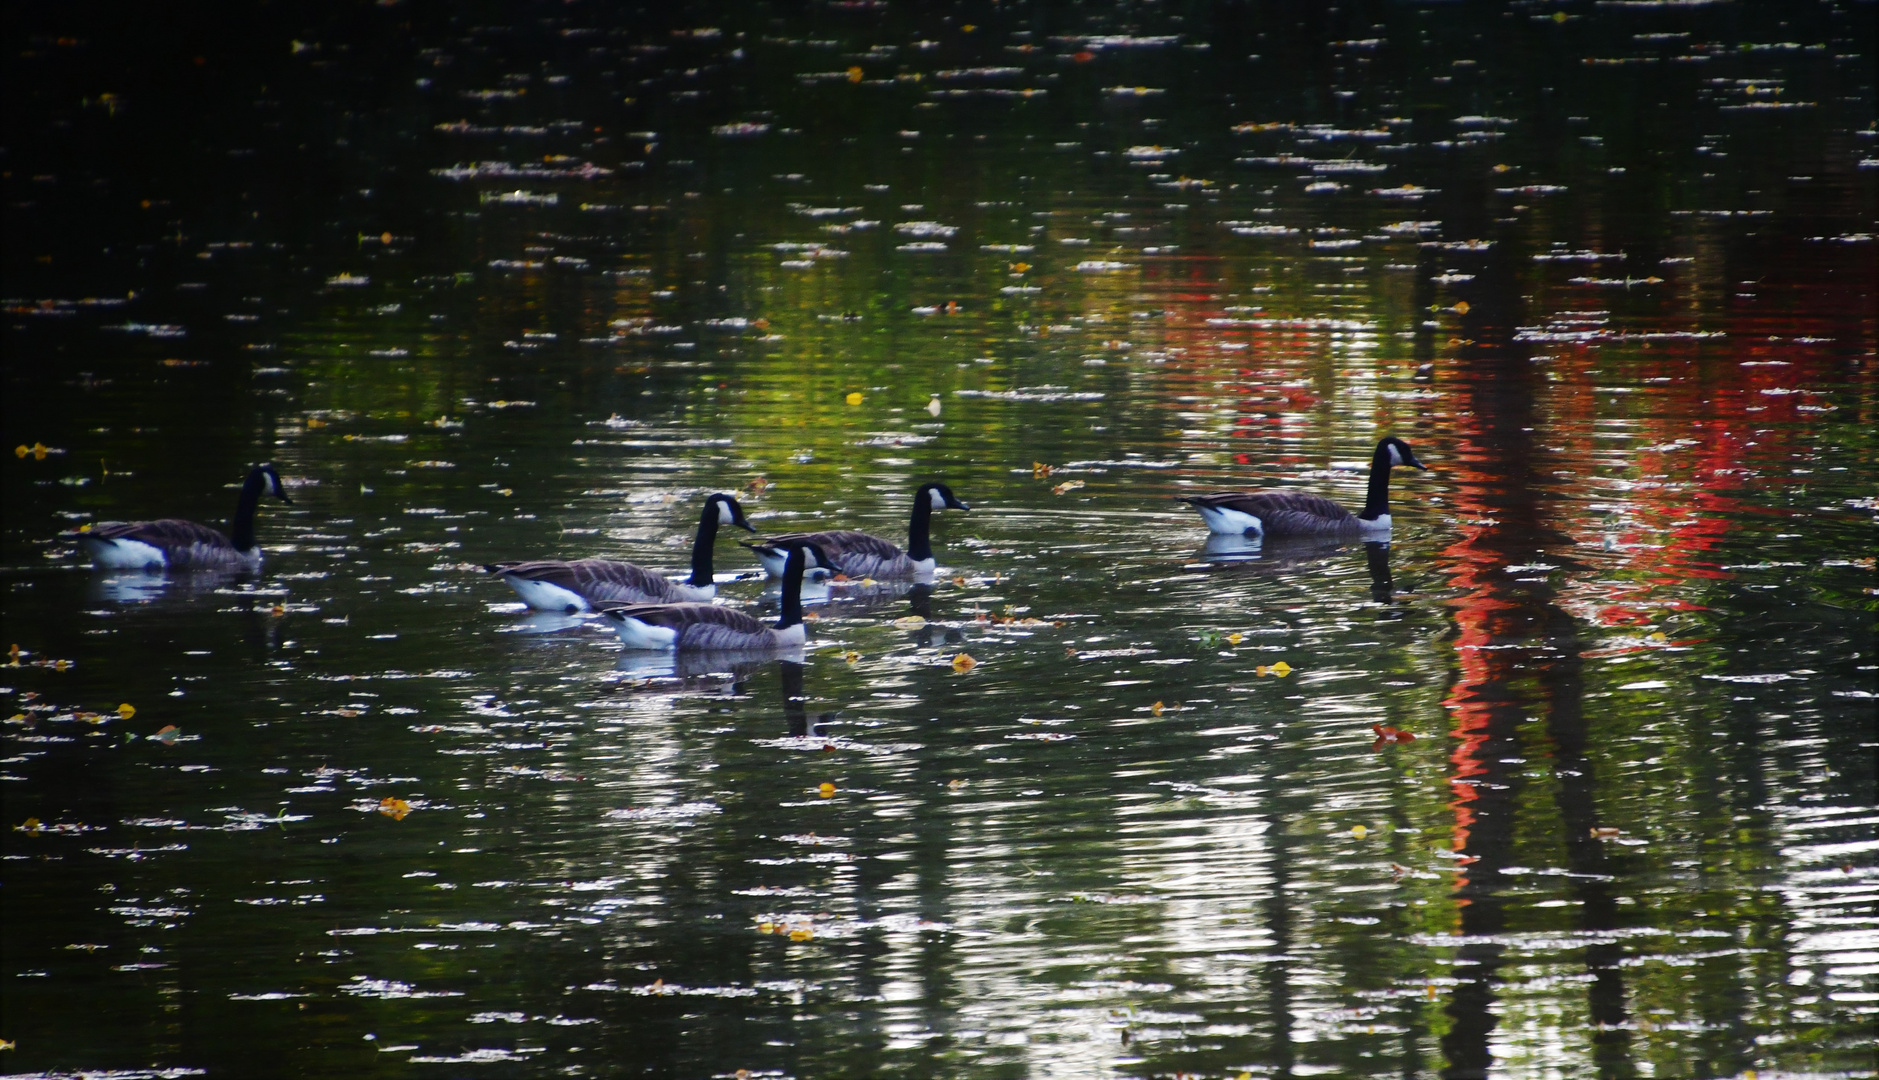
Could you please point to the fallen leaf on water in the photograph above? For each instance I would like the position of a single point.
(1281, 669)
(1155, 708)
(1235, 638)
(30, 825)
(853, 398)
(827, 791)
(1461, 307)
(854, 74)
(1359, 831)
(279, 609)
(1067, 486)
(955, 785)
(756, 486)
(127, 710)
(933, 406)
(393, 807)
(1604, 832)
(167, 734)
(1657, 637)
(851, 656)
(964, 662)
(1040, 470)
(1387, 735)
(801, 935)
(315, 422)
(910, 622)
(959, 579)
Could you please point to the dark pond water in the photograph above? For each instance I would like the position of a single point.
(524, 281)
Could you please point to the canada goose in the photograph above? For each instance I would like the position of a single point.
(690, 627)
(174, 544)
(573, 586)
(860, 555)
(1296, 513)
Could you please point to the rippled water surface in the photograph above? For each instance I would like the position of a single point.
(1573, 777)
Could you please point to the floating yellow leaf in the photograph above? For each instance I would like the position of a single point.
(22, 450)
(1040, 470)
(853, 398)
(851, 656)
(910, 622)
(393, 807)
(802, 935)
(30, 825)
(955, 785)
(1281, 669)
(127, 710)
(315, 422)
(766, 928)
(854, 74)
(964, 662)
(1020, 267)
(1235, 638)
(1066, 487)
(1155, 708)
(1604, 832)
(279, 609)
(827, 790)
(1359, 831)
(1657, 637)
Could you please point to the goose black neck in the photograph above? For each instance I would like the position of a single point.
(792, 590)
(1377, 501)
(919, 543)
(241, 526)
(701, 546)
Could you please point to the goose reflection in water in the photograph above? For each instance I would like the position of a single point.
(795, 703)
(721, 669)
(146, 586)
(1276, 555)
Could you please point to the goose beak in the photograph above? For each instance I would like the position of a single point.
(957, 505)
(746, 526)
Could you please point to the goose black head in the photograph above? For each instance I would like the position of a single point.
(274, 479)
(730, 511)
(1397, 452)
(813, 557)
(940, 497)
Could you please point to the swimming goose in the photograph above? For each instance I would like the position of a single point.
(573, 586)
(1296, 513)
(667, 627)
(860, 555)
(174, 544)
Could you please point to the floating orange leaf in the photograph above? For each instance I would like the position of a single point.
(964, 662)
(127, 710)
(30, 825)
(854, 74)
(827, 790)
(1388, 736)
(1461, 307)
(1040, 470)
(393, 807)
(1156, 708)
(1067, 486)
